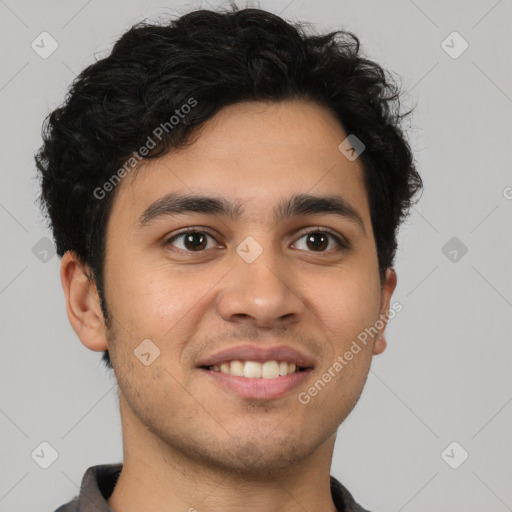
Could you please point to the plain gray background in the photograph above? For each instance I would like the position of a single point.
(446, 374)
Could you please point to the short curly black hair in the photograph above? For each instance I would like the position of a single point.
(218, 58)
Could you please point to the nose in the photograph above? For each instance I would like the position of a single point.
(263, 293)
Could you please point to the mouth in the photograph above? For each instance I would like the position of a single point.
(257, 380)
(255, 369)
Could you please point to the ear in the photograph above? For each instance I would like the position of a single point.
(83, 303)
(387, 289)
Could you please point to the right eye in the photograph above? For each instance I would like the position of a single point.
(191, 240)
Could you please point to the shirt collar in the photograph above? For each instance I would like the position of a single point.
(99, 481)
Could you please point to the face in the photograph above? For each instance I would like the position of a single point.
(257, 275)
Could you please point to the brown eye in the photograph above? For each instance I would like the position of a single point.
(321, 241)
(317, 241)
(190, 241)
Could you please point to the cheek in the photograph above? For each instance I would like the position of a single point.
(145, 301)
(347, 302)
(161, 304)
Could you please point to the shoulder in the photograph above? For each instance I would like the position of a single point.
(71, 506)
(97, 485)
(342, 498)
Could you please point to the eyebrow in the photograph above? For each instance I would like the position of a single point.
(298, 205)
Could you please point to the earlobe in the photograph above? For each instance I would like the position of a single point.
(388, 287)
(82, 303)
(379, 345)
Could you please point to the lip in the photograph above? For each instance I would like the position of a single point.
(259, 354)
(262, 389)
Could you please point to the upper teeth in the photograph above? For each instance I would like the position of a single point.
(255, 370)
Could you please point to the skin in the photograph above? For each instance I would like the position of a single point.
(187, 442)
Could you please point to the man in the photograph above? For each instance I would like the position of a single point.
(225, 193)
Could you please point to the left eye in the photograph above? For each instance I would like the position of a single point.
(319, 239)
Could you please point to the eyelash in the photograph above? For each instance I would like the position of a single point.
(342, 244)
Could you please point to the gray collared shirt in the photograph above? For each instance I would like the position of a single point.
(98, 484)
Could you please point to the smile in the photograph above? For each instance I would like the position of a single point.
(257, 386)
(256, 370)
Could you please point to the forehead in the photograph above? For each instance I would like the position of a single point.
(255, 153)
